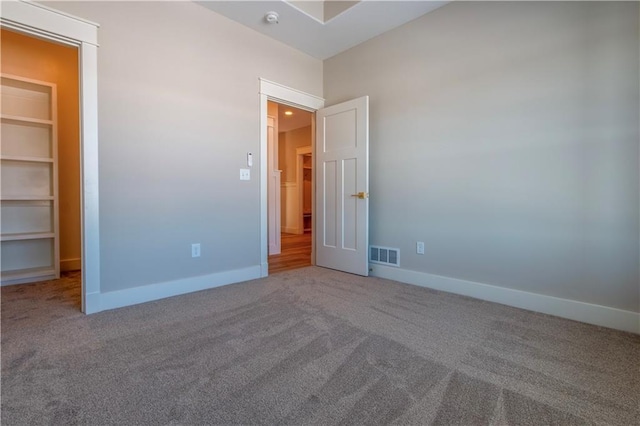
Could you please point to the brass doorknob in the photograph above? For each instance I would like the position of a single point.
(361, 195)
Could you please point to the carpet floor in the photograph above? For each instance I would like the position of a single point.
(308, 346)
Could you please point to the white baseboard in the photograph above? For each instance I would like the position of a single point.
(147, 293)
(92, 303)
(579, 311)
(290, 230)
(70, 264)
(28, 280)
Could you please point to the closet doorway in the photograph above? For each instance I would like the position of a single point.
(41, 185)
(291, 168)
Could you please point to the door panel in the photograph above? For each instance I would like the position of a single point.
(330, 205)
(350, 210)
(341, 131)
(342, 164)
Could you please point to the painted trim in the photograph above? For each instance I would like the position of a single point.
(41, 21)
(264, 176)
(92, 303)
(71, 264)
(29, 280)
(284, 95)
(313, 193)
(565, 308)
(289, 96)
(89, 165)
(289, 230)
(148, 293)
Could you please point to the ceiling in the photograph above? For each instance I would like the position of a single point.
(299, 118)
(323, 29)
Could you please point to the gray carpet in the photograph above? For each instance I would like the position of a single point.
(310, 346)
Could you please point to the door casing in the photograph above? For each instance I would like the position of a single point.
(42, 22)
(273, 187)
(270, 91)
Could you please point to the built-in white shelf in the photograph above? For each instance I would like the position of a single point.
(29, 199)
(28, 275)
(30, 120)
(26, 159)
(26, 197)
(27, 236)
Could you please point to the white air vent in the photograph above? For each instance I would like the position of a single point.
(384, 255)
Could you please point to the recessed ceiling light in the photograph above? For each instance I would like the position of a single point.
(288, 113)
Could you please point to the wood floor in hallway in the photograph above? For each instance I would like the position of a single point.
(295, 253)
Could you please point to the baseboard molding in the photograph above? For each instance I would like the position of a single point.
(291, 230)
(28, 280)
(571, 309)
(148, 293)
(70, 265)
(92, 303)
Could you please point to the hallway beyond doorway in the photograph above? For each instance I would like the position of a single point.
(295, 253)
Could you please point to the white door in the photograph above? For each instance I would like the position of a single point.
(342, 196)
(273, 187)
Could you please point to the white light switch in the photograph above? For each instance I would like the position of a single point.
(249, 159)
(245, 174)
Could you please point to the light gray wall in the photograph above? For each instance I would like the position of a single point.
(505, 136)
(178, 111)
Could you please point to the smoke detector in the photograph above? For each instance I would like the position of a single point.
(272, 17)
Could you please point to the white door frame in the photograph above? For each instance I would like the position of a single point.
(43, 22)
(273, 194)
(270, 91)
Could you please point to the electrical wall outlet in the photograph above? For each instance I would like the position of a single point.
(420, 247)
(245, 174)
(195, 250)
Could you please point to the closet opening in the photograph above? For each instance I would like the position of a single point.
(41, 184)
(289, 188)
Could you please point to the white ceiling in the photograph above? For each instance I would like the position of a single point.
(299, 29)
(299, 118)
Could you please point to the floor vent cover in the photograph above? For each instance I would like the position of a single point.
(384, 255)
